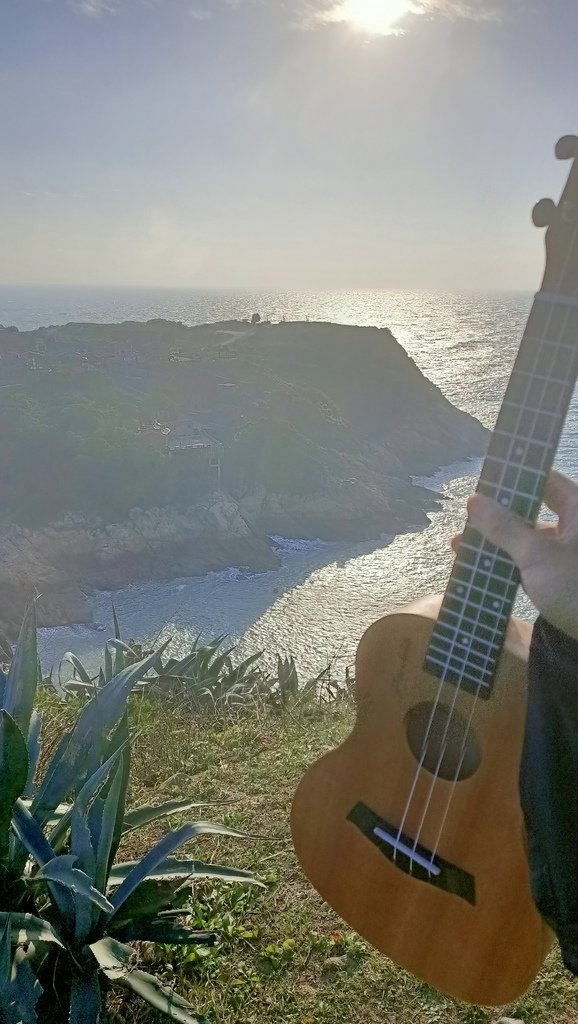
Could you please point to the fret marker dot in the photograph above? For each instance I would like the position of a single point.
(495, 604)
(459, 590)
(503, 501)
(519, 451)
(487, 563)
(464, 640)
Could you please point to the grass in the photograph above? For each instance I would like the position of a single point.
(283, 955)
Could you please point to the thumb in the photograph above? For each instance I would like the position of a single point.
(504, 528)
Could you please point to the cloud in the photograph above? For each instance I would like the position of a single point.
(316, 14)
(386, 17)
(94, 8)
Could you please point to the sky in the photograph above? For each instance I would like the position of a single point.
(298, 144)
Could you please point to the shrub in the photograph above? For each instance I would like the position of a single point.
(67, 911)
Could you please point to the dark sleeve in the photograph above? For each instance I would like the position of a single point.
(549, 782)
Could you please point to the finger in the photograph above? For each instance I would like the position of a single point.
(505, 529)
(456, 541)
(561, 495)
(549, 529)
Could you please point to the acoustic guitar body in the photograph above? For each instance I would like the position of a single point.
(471, 929)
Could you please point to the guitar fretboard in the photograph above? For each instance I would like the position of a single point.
(468, 636)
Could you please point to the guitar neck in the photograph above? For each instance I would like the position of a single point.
(469, 634)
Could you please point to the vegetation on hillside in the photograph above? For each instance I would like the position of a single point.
(72, 443)
(296, 408)
(239, 952)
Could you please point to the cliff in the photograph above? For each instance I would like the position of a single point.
(158, 450)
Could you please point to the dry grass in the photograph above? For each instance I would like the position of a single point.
(283, 955)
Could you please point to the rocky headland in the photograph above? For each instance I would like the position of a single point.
(225, 434)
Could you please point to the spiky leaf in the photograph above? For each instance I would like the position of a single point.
(61, 870)
(33, 746)
(172, 867)
(150, 897)
(81, 752)
(28, 928)
(20, 689)
(163, 849)
(85, 999)
(116, 959)
(13, 776)
(140, 816)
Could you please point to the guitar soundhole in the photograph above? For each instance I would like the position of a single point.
(448, 729)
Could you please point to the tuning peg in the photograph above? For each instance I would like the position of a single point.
(543, 213)
(567, 147)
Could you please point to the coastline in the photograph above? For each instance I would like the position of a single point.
(313, 605)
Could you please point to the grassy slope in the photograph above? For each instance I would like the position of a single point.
(324, 974)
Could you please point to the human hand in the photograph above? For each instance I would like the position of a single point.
(545, 554)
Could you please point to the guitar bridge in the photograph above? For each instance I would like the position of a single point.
(411, 857)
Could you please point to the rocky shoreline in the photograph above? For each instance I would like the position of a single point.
(308, 430)
(62, 563)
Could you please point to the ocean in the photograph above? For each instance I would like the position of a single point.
(319, 602)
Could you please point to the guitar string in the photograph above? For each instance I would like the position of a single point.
(551, 441)
(555, 350)
(475, 701)
(463, 749)
(474, 568)
(457, 689)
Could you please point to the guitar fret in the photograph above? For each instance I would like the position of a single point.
(486, 618)
(462, 618)
(479, 571)
(549, 341)
(503, 492)
(529, 408)
(477, 679)
(514, 465)
(475, 660)
(542, 377)
(469, 633)
(523, 440)
(465, 640)
(558, 299)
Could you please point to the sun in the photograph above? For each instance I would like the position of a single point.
(375, 17)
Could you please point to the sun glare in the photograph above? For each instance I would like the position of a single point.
(376, 17)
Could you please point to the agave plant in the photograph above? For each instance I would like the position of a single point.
(209, 677)
(206, 676)
(67, 909)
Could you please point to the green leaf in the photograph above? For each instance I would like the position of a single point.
(60, 870)
(172, 867)
(140, 816)
(20, 690)
(107, 827)
(120, 738)
(115, 960)
(150, 897)
(34, 749)
(85, 999)
(71, 659)
(20, 990)
(13, 776)
(28, 928)
(116, 625)
(163, 849)
(35, 842)
(79, 754)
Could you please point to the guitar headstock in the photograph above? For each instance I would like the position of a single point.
(561, 273)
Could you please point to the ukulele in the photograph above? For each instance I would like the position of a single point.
(412, 829)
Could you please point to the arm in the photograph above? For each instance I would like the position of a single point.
(547, 558)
